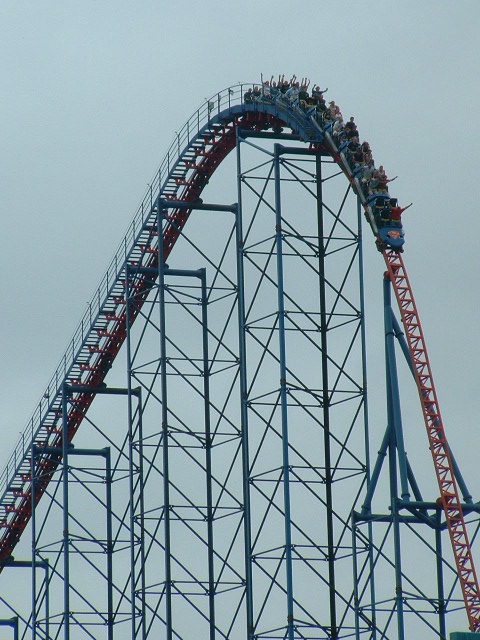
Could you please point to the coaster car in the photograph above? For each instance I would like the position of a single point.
(390, 232)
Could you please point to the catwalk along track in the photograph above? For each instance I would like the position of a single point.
(252, 460)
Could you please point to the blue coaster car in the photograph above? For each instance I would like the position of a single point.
(392, 235)
(390, 232)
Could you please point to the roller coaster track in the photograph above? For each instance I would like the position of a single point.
(196, 152)
(449, 496)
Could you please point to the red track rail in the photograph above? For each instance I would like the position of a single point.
(449, 496)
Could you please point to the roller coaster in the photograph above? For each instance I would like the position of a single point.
(200, 463)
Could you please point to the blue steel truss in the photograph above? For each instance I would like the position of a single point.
(220, 483)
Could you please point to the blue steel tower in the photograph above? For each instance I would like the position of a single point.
(203, 463)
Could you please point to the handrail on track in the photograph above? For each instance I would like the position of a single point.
(213, 106)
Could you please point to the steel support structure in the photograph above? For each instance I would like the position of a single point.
(234, 498)
(73, 536)
(410, 515)
(249, 343)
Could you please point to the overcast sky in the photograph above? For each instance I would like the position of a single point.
(92, 93)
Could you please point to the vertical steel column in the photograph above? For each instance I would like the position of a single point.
(326, 401)
(141, 500)
(165, 457)
(395, 445)
(208, 456)
(109, 545)
(393, 396)
(47, 599)
(355, 577)
(34, 543)
(132, 482)
(128, 323)
(283, 396)
(66, 558)
(366, 433)
(34, 563)
(441, 595)
(242, 354)
(46, 566)
(396, 539)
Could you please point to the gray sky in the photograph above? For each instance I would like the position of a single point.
(92, 93)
